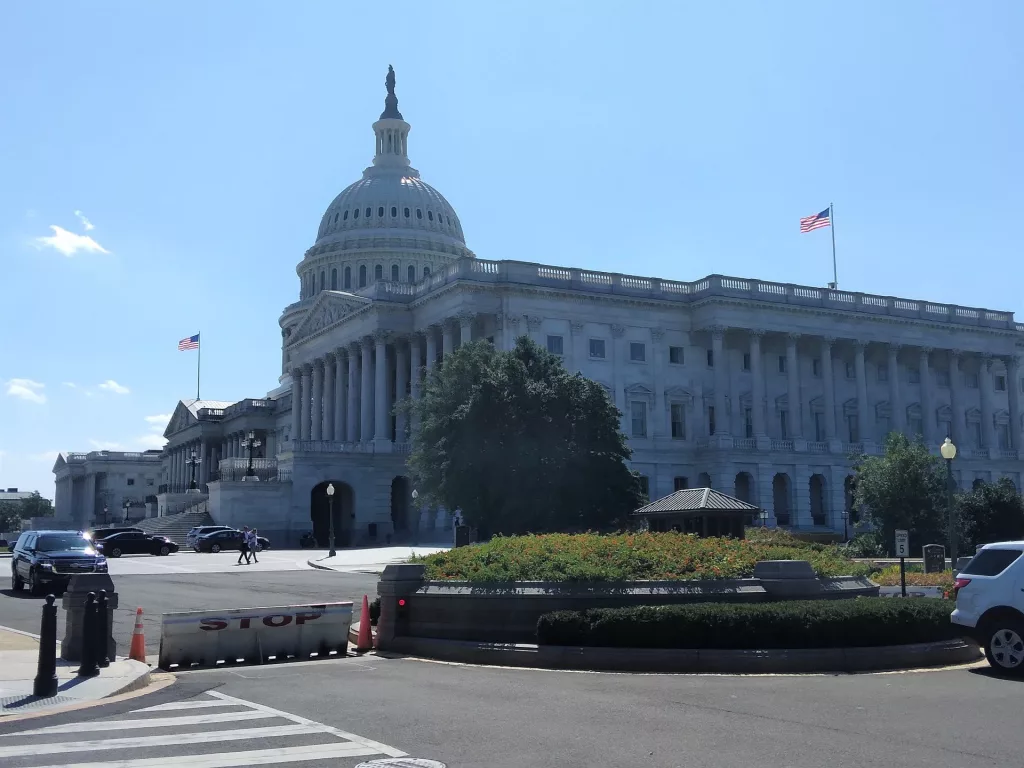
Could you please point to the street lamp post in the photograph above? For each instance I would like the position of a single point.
(127, 506)
(193, 461)
(948, 451)
(416, 531)
(846, 526)
(763, 514)
(250, 443)
(330, 504)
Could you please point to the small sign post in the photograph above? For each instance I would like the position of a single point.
(934, 557)
(902, 552)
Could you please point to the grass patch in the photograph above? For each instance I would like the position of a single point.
(916, 577)
(863, 622)
(626, 557)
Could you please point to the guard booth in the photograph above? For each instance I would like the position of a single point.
(701, 511)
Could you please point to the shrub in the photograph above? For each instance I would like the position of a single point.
(863, 622)
(890, 577)
(868, 544)
(374, 611)
(625, 557)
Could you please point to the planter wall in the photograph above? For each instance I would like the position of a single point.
(508, 613)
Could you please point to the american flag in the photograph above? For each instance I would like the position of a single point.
(817, 221)
(192, 342)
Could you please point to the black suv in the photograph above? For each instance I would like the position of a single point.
(50, 558)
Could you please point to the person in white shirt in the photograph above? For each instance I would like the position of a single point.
(254, 544)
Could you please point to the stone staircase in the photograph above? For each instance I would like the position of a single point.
(175, 527)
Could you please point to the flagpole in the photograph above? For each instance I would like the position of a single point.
(832, 226)
(199, 357)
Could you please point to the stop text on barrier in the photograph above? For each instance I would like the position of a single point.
(213, 623)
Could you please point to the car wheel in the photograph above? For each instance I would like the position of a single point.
(34, 587)
(115, 552)
(17, 583)
(1004, 645)
(165, 550)
(215, 548)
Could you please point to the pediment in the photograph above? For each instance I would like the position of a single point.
(944, 413)
(330, 307)
(639, 391)
(181, 419)
(850, 407)
(678, 394)
(883, 409)
(1002, 416)
(914, 411)
(782, 402)
(972, 414)
(59, 463)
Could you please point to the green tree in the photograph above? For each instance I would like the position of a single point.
(10, 516)
(518, 445)
(13, 511)
(905, 488)
(991, 512)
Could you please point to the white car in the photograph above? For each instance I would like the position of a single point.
(990, 604)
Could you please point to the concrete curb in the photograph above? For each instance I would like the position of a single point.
(315, 564)
(789, 661)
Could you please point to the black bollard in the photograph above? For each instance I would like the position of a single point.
(88, 667)
(102, 630)
(45, 684)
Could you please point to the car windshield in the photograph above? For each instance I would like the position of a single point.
(63, 542)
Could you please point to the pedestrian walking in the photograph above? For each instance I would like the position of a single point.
(243, 547)
(254, 544)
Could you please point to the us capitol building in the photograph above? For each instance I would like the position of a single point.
(759, 389)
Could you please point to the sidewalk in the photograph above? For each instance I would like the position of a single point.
(19, 655)
(371, 560)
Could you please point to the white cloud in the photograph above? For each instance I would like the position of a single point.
(150, 441)
(86, 224)
(105, 445)
(69, 243)
(112, 386)
(160, 420)
(27, 389)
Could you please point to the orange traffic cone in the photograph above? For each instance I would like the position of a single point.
(137, 651)
(365, 640)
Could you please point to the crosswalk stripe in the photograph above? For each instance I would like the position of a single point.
(155, 722)
(377, 747)
(164, 740)
(230, 759)
(190, 704)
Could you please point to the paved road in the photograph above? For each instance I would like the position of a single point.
(240, 587)
(469, 717)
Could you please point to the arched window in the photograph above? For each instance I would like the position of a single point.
(335, 217)
(412, 274)
(407, 213)
(355, 213)
(378, 272)
(394, 272)
(426, 271)
(348, 278)
(344, 216)
(430, 215)
(334, 279)
(394, 211)
(380, 211)
(419, 214)
(368, 212)
(362, 275)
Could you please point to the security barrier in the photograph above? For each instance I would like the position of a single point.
(253, 635)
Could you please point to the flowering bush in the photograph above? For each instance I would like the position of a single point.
(890, 577)
(624, 557)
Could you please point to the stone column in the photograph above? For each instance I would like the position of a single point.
(512, 333)
(659, 415)
(958, 413)
(352, 417)
(577, 352)
(533, 324)
(863, 407)
(380, 387)
(328, 415)
(307, 401)
(316, 430)
(988, 424)
(296, 429)
(721, 380)
(431, 334)
(793, 386)
(401, 384)
(927, 403)
(465, 327)
(447, 343)
(340, 400)
(1013, 395)
(414, 375)
(366, 391)
(757, 391)
(828, 384)
(618, 365)
(898, 417)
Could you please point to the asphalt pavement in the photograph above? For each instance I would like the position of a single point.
(337, 712)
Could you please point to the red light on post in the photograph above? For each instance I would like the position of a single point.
(401, 602)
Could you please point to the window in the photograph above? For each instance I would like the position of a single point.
(816, 366)
(945, 429)
(680, 483)
(991, 562)
(335, 217)
(419, 213)
(711, 420)
(334, 279)
(131, 481)
(914, 375)
(677, 414)
(711, 358)
(394, 272)
(748, 422)
(555, 345)
(645, 485)
(348, 278)
(883, 423)
(883, 373)
(974, 428)
(150, 482)
(362, 276)
(430, 215)
(638, 415)
(378, 272)
(355, 214)
(675, 355)
(851, 373)
(344, 216)
(597, 349)
(412, 274)
(784, 425)
(323, 279)
(368, 211)
(971, 380)
(394, 211)
(406, 212)
(819, 427)
(426, 271)
(637, 351)
(380, 211)
(1003, 436)
(746, 361)
(915, 426)
(852, 428)
(783, 364)
(942, 378)
(1000, 383)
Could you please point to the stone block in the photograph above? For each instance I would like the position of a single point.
(73, 603)
(783, 569)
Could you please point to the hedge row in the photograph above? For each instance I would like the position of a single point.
(862, 622)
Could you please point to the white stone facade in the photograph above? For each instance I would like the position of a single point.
(88, 483)
(761, 390)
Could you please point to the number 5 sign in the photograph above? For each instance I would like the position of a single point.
(902, 543)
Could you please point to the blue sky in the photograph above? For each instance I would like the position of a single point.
(203, 141)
